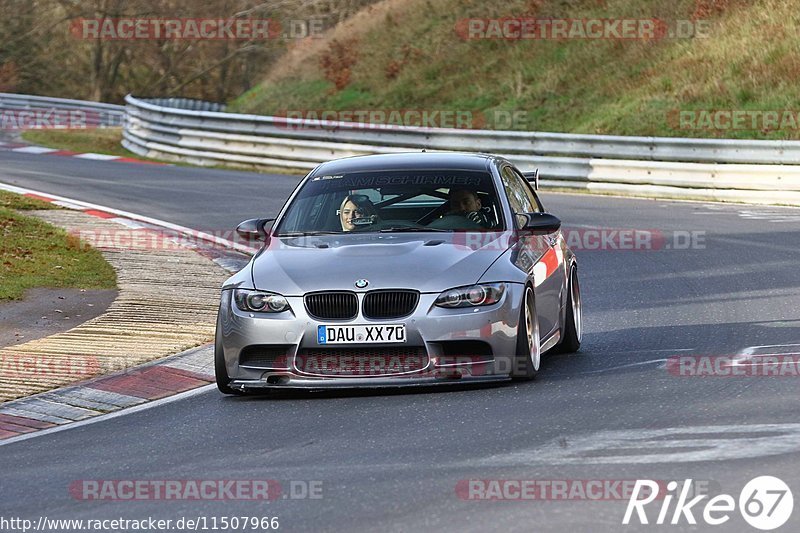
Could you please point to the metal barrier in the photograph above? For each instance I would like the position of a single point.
(714, 169)
(190, 104)
(201, 133)
(45, 112)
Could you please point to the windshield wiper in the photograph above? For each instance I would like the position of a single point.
(400, 229)
(307, 233)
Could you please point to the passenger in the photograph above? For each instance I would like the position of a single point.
(467, 203)
(355, 208)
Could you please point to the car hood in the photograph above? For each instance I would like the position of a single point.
(425, 262)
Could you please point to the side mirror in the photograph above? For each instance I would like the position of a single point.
(533, 177)
(540, 223)
(253, 229)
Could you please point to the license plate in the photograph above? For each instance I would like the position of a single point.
(385, 333)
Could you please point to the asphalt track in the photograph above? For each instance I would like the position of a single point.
(392, 462)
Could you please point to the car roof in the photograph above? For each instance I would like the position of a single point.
(407, 161)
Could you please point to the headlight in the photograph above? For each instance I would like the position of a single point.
(259, 301)
(476, 295)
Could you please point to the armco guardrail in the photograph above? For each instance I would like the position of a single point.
(41, 111)
(190, 104)
(716, 169)
(202, 133)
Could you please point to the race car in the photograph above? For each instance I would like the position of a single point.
(400, 270)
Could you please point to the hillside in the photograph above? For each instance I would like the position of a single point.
(413, 54)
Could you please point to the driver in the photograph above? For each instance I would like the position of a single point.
(465, 202)
(356, 207)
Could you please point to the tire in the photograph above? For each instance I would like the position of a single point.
(573, 318)
(528, 358)
(220, 372)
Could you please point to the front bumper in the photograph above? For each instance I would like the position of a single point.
(294, 382)
(431, 328)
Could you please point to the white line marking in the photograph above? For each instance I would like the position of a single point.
(109, 416)
(632, 365)
(98, 157)
(34, 150)
(621, 367)
(68, 205)
(753, 349)
(128, 223)
(664, 445)
(751, 352)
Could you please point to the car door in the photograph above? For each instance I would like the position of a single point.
(539, 254)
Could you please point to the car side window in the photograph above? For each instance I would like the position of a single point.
(525, 185)
(517, 196)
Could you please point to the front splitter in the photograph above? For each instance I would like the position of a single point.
(292, 382)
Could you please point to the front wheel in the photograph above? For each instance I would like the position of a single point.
(528, 357)
(573, 327)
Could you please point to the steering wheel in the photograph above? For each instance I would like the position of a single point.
(454, 222)
(428, 217)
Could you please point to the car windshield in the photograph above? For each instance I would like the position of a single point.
(394, 201)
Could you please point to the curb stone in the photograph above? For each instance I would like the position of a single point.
(134, 386)
(106, 394)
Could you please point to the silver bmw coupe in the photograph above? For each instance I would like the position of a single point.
(400, 270)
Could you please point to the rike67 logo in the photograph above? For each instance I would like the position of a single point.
(765, 502)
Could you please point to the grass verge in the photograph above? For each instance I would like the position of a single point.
(100, 141)
(36, 254)
(107, 141)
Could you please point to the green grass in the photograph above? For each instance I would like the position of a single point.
(22, 203)
(99, 141)
(107, 141)
(36, 254)
(750, 61)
